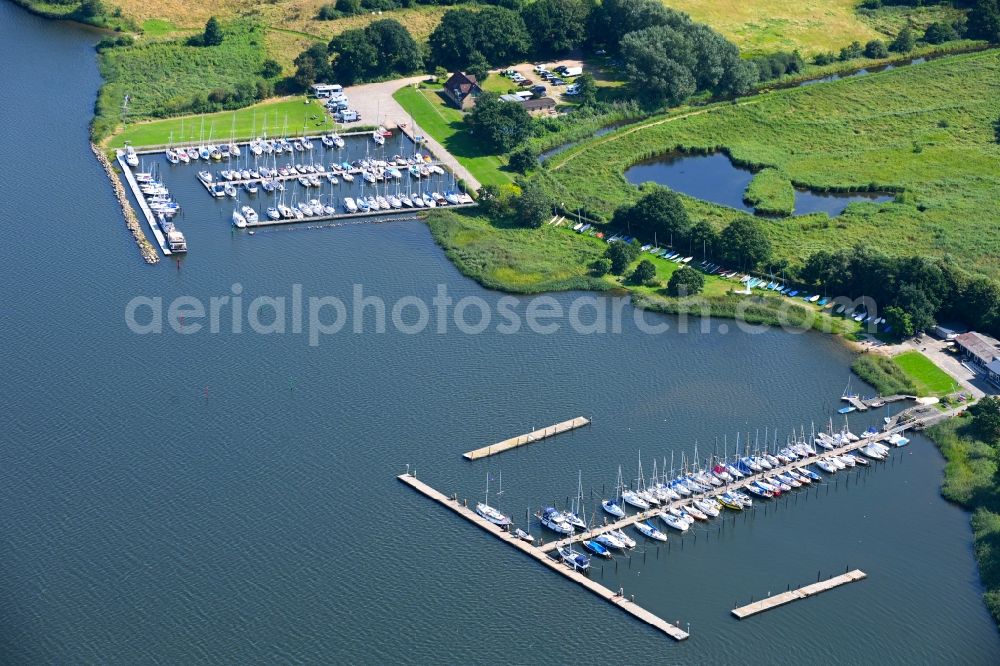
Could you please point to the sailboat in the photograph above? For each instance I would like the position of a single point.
(576, 516)
(488, 512)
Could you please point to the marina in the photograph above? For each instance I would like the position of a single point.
(140, 199)
(801, 593)
(538, 555)
(521, 440)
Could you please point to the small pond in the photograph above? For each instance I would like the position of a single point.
(715, 178)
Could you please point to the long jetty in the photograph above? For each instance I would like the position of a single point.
(143, 206)
(801, 593)
(540, 556)
(521, 440)
(654, 511)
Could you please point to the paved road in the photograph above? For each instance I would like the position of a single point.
(375, 103)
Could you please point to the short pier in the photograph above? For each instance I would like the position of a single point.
(801, 593)
(629, 607)
(521, 440)
(855, 402)
(143, 206)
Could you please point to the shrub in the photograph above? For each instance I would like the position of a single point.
(644, 273)
(904, 41)
(876, 49)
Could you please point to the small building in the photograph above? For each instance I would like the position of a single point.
(980, 350)
(462, 90)
(539, 105)
(993, 372)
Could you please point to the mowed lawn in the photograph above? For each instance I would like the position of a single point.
(927, 377)
(251, 121)
(444, 123)
(765, 26)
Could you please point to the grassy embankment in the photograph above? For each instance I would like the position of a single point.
(811, 26)
(770, 193)
(909, 373)
(443, 122)
(970, 480)
(521, 260)
(251, 121)
(924, 129)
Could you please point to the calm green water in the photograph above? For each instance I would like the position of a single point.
(232, 498)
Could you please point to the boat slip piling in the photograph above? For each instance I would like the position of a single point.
(801, 593)
(539, 555)
(521, 440)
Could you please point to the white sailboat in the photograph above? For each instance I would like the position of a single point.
(488, 512)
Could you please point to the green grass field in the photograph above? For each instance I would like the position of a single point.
(927, 377)
(925, 129)
(250, 122)
(433, 116)
(771, 193)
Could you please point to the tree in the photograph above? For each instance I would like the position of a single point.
(904, 41)
(984, 20)
(601, 266)
(644, 273)
(685, 281)
(703, 238)
(917, 305)
(478, 67)
(648, 59)
(852, 51)
(270, 69)
(899, 322)
(557, 26)
(496, 200)
(876, 49)
(213, 33)
(92, 9)
(939, 33)
(498, 34)
(312, 65)
(499, 124)
(744, 244)
(586, 89)
(986, 419)
(621, 255)
(523, 159)
(658, 213)
(382, 48)
(534, 205)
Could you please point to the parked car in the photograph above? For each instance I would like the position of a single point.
(347, 116)
(572, 71)
(557, 82)
(525, 83)
(559, 69)
(573, 89)
(538, 90)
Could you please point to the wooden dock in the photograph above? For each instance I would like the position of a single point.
(540, 556)
(521, 440)
(801, 593)
(855, 402)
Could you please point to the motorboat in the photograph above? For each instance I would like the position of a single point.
(205, 177)
(249, 214)
(729, 502)
(707, 506)
(131, 158)
(273, 213)
(552, 519)
(578, 561)
(349, 205)
(898, 440)
(650, 532)
(610, 541)
(613, 508)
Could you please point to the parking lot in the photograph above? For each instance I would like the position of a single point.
(556, 92)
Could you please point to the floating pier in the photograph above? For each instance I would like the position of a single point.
(521, 440)
(654, 511)
(143, 206)
(539, 555)
(855, 402)
(801, 593)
